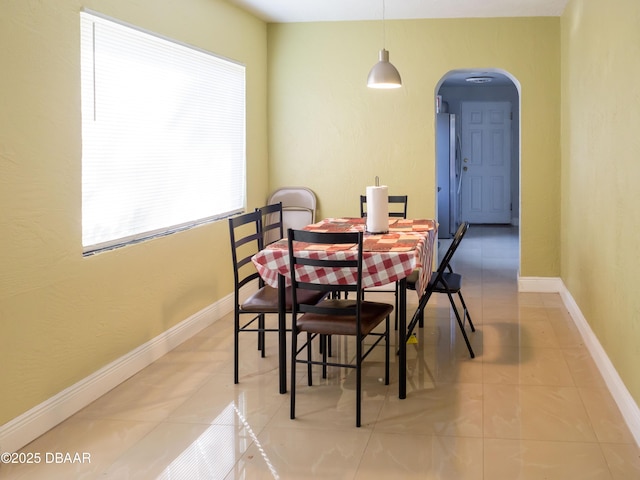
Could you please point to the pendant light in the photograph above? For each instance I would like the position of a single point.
(384, 74)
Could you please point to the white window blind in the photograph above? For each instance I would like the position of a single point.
(163, 135)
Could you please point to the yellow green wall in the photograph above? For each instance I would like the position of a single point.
(330, 132)
(601, 172)
(62, 316)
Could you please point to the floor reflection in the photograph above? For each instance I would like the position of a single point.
(531, 405)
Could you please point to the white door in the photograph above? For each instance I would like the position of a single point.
(486, 162)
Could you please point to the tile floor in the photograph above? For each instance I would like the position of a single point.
(531, 405)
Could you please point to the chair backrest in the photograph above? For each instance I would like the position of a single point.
(245, 232)
(298, 206)
(455, 243)
(349, 269)
(397, 206)
(272, 223)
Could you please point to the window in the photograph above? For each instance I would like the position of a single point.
(163, 135)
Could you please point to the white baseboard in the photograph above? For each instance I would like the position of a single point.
(540, 284)
(41, 418)
(627, 405)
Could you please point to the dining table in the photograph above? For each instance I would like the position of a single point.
(388, 257)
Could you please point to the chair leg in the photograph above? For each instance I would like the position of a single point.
(461, 325)
(396, 309)
(386, 352)
(326, 345)
(358, 381)
(323, 341)
(236, 355)
(261, 335)
(294, 363)
(419, 313)
(466, 311)
(309, 353)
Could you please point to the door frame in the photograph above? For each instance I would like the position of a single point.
(458, 76)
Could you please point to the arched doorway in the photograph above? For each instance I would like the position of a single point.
(469, 189)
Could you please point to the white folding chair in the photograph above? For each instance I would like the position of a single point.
(298, 206)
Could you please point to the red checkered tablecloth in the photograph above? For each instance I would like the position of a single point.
(387, 257)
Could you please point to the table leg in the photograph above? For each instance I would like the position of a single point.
(282, 334)
(402, 338)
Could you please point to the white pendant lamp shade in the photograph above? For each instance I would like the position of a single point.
(384, 74)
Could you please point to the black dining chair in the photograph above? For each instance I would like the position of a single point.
(273, 218)
(247, 239)
(397, 206)
(333, 316)
(272, 223)
(397, 209)
(444, 280)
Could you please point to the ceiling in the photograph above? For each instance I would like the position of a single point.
(286, 11)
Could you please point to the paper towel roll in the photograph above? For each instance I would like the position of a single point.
(378, 209)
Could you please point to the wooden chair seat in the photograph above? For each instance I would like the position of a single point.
(265, 300)
(370, 314)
